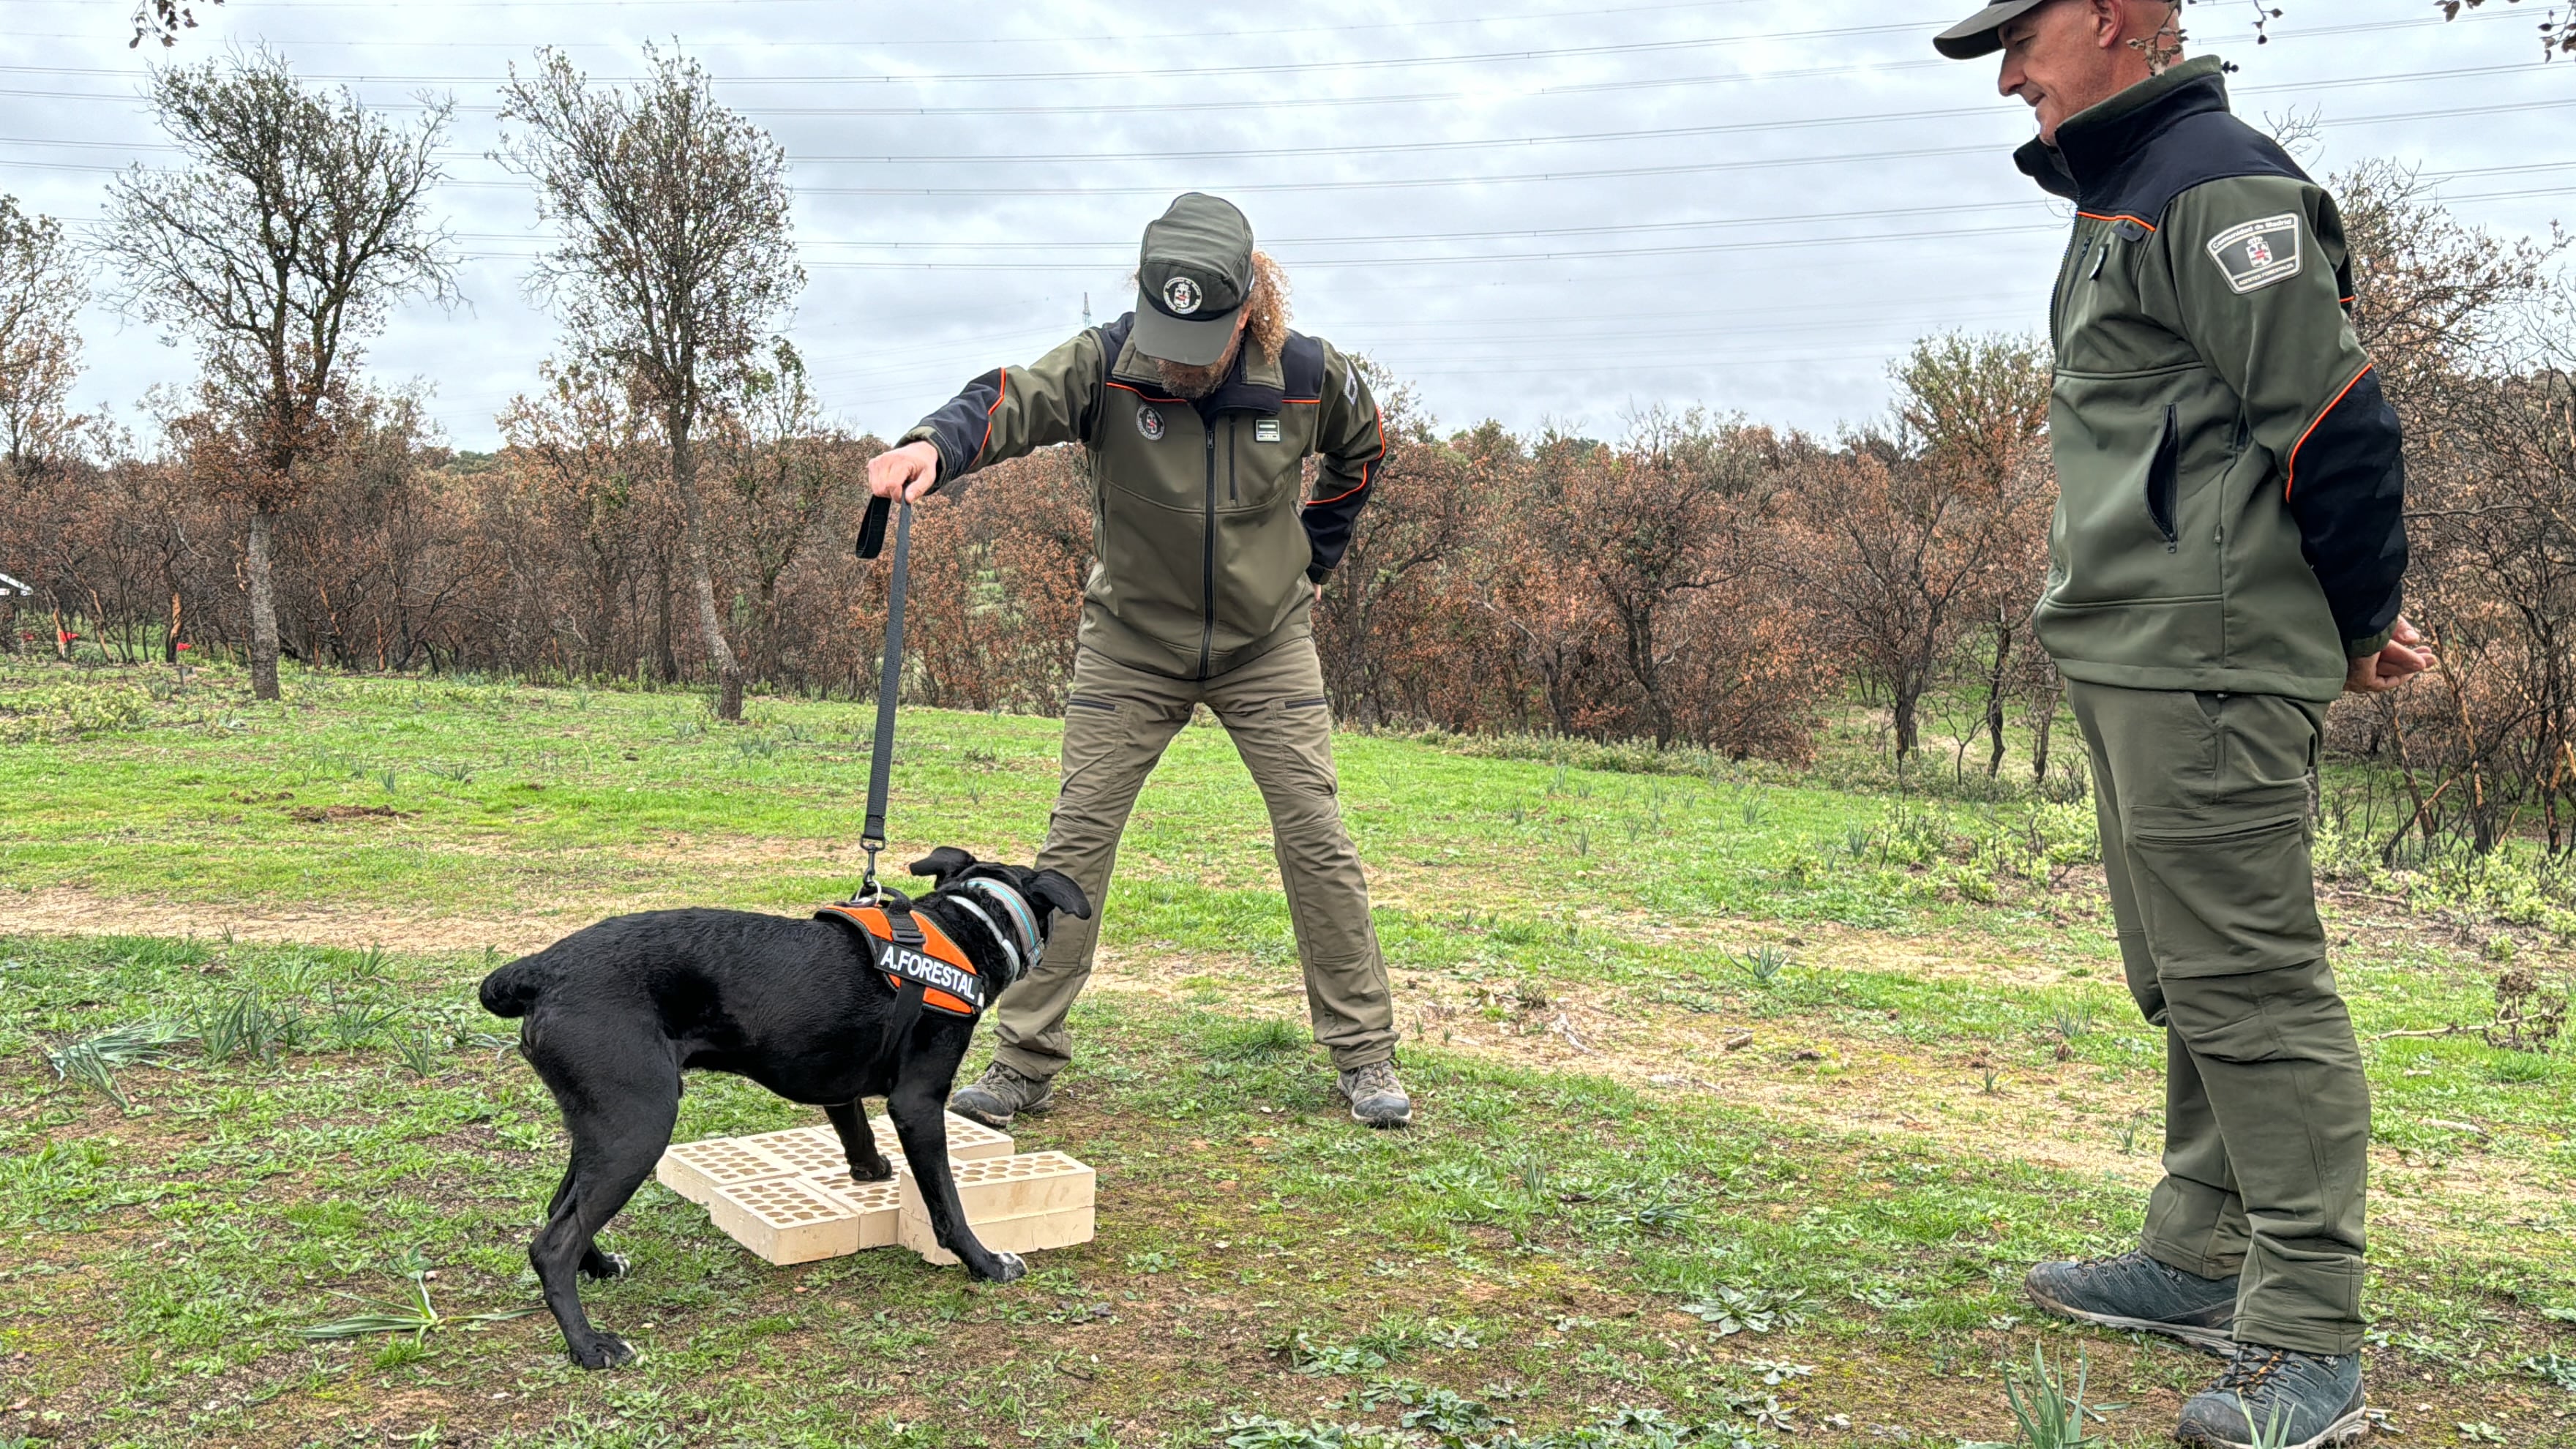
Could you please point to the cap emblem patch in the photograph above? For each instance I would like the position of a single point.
(1149, 422)
(1181, 295)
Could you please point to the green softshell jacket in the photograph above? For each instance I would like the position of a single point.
(2231, 491)
(1203, 541)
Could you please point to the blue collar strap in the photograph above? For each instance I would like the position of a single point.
(1023, 920)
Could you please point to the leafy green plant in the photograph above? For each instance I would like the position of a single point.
(2046, 1413)
(1747, 1310)
(249, 1024)
(1762, 965)
(93, 1062)
(419, 1050)
(417, 1317)
(2553, 1366)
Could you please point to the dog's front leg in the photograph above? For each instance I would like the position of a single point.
(921, 1122)
(858, 1143)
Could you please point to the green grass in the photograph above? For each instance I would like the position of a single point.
(1615, 1225)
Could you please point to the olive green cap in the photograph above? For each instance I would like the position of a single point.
(1975, 36)
(1194, 275)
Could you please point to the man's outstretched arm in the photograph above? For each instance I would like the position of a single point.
(1004, 414)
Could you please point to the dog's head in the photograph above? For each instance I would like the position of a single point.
(1046, 892)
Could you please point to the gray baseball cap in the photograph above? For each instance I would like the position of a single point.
(1194, 275)
(1975, 36)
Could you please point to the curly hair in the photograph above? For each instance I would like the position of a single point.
(1267, 308)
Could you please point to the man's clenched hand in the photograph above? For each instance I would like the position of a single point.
(908, 472)
(2396, 662)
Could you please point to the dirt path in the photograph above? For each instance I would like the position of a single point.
(2066, 1116)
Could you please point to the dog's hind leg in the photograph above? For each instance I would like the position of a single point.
(594, 1264)
(919, 1110)
(858, 1142)
(618, 1133)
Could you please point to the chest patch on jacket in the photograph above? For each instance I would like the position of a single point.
(2256, 254)
(1149, 422)
(1265, 430)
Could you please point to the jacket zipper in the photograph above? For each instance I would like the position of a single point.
(1207, 558)
(1230, 495)
(2057, 295)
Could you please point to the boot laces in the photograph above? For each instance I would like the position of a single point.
(2253, 1367)
(1374, 1078)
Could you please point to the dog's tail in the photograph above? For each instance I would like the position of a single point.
(511, 990)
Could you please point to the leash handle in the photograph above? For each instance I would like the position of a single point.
(872, 836)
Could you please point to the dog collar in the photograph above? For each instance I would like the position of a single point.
(1001, 938)
(1023, 920)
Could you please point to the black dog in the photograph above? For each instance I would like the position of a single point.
(617, 1011)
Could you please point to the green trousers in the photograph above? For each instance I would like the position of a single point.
(2204, 807)
(1117, 723)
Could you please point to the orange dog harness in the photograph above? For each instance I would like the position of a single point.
(914, 952)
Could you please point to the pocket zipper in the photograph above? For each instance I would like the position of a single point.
(2164, 483)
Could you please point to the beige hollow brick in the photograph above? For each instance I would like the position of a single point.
(967, 1141)
(1063, 1228)
(879, 1206)
(787, 1220)
(698, 1170)
(1013, 1204)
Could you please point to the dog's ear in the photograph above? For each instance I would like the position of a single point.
(942, 863)
(1058, 890)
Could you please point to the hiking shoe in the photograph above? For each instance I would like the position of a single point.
(2277, 1398)
(1377, 1098)
(2136, 1293)
(1001, 1094)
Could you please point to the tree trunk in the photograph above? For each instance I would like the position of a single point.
(666, 656)
(263, 608)
(1908, 730)
(1995, 693)
(702, 585)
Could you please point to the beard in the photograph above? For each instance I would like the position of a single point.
(1197, 382)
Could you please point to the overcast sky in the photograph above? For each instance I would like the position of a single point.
(1543, 213)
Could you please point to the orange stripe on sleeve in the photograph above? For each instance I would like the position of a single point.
(2292, 478)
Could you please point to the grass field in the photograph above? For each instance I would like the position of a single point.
(1744, 1100)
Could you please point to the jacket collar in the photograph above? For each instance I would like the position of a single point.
(2096, 143)
(1257, 384)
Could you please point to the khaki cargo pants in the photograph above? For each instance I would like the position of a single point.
(2203, 800)
(1117, 723)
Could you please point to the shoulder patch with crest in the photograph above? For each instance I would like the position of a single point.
(2256, 254)
(1350, 384)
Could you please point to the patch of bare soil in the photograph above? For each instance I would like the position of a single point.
(62, 911)
(2063, 1115)
(317, 814)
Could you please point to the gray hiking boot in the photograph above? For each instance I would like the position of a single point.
(2277, 1398)
(2136, 1293)
(1376, 1097)
(1001, 1094)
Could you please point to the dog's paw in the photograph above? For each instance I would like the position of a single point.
(606, 1350)
(881, 1172)
(1007, 1268)
(596, 1264)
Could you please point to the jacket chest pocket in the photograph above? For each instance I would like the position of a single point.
(1259, 460)
(1153, 450)
(2102, 325)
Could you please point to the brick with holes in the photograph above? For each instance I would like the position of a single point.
(788, 1219)
(1028, 1201)
(698, 1170)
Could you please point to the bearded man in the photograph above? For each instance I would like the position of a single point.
(2228, 556)
(1198, 409)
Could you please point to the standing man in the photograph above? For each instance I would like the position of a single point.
(2225, 560)
(1198, 409)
